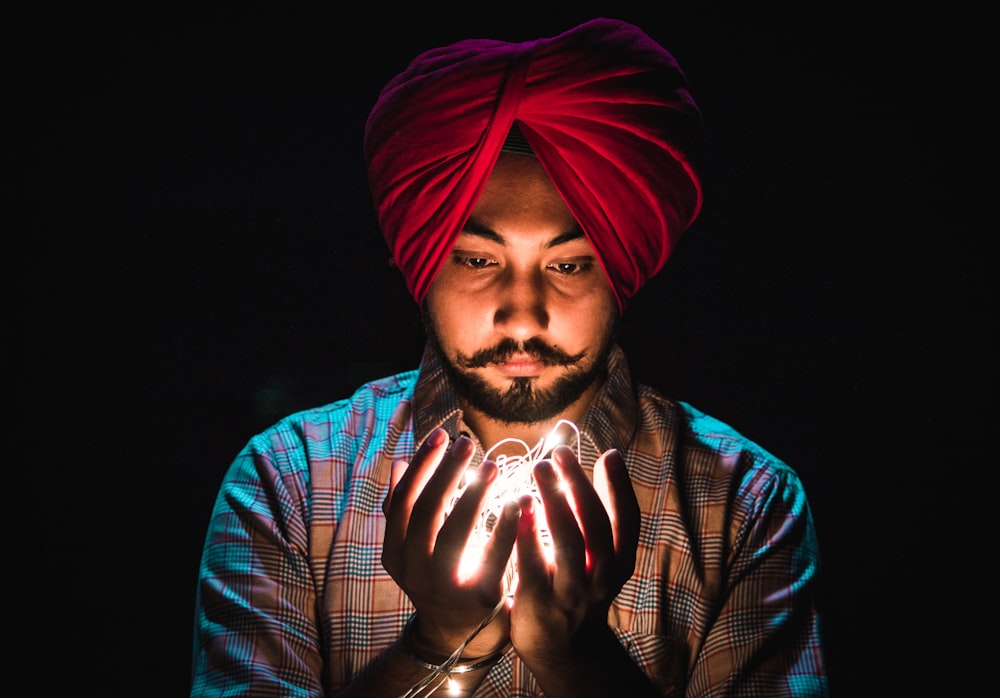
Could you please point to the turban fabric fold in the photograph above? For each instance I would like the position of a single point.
(605, 109)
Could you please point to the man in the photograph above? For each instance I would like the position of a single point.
(526, 192)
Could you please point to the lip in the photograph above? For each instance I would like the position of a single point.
(517, 367)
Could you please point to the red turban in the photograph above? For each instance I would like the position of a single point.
(605, 109)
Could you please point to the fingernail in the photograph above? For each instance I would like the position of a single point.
(487, 470)
(437, 437)
(463, 446)
(544, 471)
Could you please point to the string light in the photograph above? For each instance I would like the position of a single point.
(514, 479)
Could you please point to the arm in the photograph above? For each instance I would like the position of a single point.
(253, 634)
(257, 630)
(766, 637)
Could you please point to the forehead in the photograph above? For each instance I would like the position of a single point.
(520, 200)
(520, 178)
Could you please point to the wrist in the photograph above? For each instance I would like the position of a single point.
(454, 663)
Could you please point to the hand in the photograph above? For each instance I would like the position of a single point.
(423, 547)
(559, 604)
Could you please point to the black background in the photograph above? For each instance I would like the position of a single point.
(198, 256)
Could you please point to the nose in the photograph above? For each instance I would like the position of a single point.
(521, 311)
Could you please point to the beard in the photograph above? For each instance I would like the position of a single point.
(522, 402)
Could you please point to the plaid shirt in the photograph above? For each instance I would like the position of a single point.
(293, 599)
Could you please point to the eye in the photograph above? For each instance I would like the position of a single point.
(569, 268)
(474, 262)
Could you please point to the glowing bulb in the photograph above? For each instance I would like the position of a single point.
(453, 687)
(513, 480)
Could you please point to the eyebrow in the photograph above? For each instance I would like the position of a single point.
(473, 227)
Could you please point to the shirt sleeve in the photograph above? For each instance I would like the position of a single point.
(256, 630)
(765, 640)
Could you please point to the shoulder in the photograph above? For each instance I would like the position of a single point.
(710, 451)
(730, 491)
(318, 430)
(317, 452)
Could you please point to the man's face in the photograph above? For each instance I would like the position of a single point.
(521, 311)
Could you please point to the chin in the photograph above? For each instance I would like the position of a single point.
(524, 400)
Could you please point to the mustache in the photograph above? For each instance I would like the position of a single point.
(507, 347)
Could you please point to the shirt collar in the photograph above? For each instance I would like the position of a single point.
(609, 422)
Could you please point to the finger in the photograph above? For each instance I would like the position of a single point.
(592, 519)
(396, 471)
(588, 508)
(414, 478)
(436, 496)
(568, 545)
(406, 480)
(532, 568)
(614, 487)
(455, 532)
(395, 527)
(496, 556)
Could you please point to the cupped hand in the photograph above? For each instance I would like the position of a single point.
(424, 545)
(563, 598)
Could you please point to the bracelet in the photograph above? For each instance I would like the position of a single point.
(474, 665)
(457, 668)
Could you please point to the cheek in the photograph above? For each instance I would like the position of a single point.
(457, 322)
(585, 320)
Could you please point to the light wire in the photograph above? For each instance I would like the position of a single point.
(514, 479)
(440, 674)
